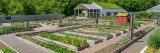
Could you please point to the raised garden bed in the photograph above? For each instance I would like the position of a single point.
(96, 40)
(51, 46)
(65, 39)
(11, 29)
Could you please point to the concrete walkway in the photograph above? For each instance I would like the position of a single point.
(139, 45)
(19, 45)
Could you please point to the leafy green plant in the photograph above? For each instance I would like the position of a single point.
(10, 29)
(7, 50)
(154, 40)
(65, 39)
(51, 46)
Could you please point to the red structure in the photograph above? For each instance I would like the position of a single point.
(122, 18)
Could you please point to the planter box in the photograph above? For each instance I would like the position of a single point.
(109, 37)
(83, 47)
(98, 41)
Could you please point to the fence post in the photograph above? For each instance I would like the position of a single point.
(27, 23)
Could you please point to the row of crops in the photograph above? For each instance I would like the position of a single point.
(17, 27)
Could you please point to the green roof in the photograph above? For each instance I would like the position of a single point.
(107, 5)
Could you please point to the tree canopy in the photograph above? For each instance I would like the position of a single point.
(31, 7)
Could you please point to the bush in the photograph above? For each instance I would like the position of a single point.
(154, 40)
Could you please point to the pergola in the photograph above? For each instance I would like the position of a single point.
(87, 10)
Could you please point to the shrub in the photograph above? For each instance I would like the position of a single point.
(154, 40)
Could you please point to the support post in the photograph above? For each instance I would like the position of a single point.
(27, 23)
(132, 28)
(96, 19)
(89, 13)
(78, 12)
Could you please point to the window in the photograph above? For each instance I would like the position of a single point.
(107, 14)
(115, 13)
(8, 18)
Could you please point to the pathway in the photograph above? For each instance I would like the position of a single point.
(19, 45)
(139, 45)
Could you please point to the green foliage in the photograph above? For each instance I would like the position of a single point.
(65, 39)
(31, 7)
(144, 14)
(154, 40)
(10, 29)
(7, 50)
(136, 5)
(51, 46)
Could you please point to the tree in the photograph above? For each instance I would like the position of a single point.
(15, 8)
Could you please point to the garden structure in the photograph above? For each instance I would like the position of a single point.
(123, 18)
(98, 9)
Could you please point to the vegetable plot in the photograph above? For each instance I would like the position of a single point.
(10, 29)
(50, 46)
(75, 41)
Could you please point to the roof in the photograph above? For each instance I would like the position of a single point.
(107, 5)
(114, 10)
(122, 14)
(89, 6)
(154, 9)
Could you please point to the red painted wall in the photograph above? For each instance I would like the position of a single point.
(122, 19)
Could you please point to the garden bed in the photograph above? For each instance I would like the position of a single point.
(51, 46)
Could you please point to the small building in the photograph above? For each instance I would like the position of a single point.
(97, 10)
(87, 10)
(122, 18)
(112, 11)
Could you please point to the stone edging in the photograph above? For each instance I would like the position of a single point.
(118, 50)
(8, 46)
(35, 45)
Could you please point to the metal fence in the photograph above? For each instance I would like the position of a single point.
(19, 18)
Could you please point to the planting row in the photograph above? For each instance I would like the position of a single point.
(54, 47)
(17, 27)
(66, 38)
